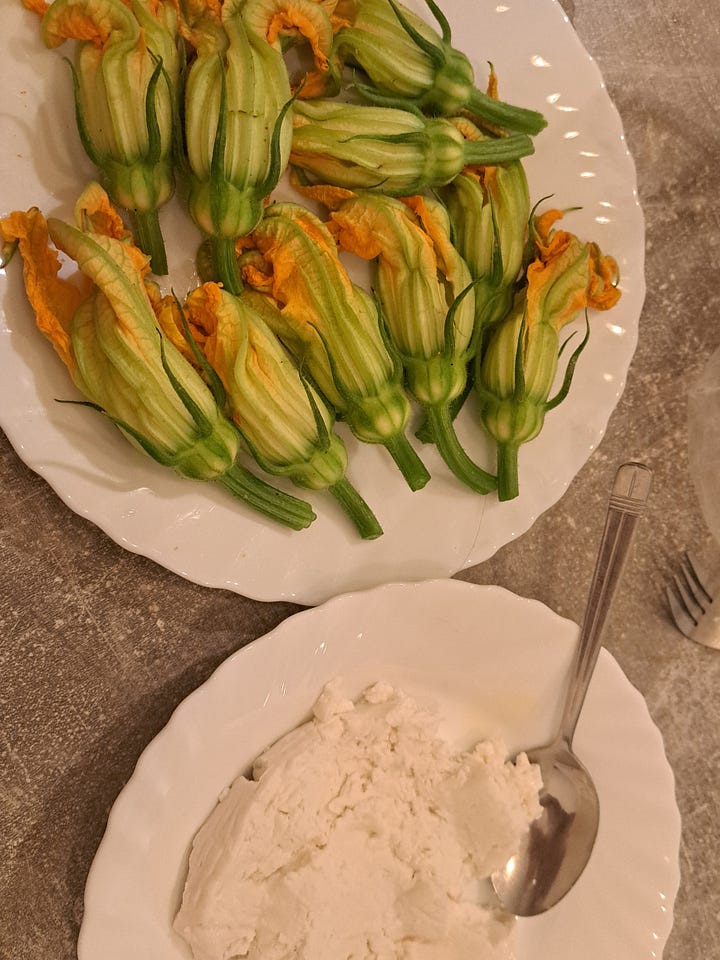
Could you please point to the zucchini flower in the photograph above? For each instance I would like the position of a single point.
(518, 366)
(107, 336)
(285, 423)
(410, 65)
(125, 82)
(401, 153)
(237, 129)
(427, 299)
(489, 208)
(332, 328)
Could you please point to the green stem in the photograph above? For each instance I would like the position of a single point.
(226, 265)
(150, 240)
(359, 512)
(410, 464)
(507, 471)
(444, 436)
(266, 499)
(424, 431)
(505, 115)
(496, 150)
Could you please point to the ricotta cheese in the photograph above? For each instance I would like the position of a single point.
(361, 836)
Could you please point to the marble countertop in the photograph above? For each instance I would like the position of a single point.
(99, 645)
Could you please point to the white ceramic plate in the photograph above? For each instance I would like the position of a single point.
(496, 665)
(197, 531)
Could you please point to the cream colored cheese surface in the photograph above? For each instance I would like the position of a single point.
(362, 835)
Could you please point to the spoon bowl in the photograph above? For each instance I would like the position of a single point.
(559, 843)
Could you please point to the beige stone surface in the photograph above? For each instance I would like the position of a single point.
(98, 645)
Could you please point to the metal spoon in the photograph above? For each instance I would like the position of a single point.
(559, 843)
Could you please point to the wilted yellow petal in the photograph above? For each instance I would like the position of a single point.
(603, 292)
(169, 320)
(91, 20)
(203, 304)
(560, 252)
(284, 21)
(256, 278)
(37, 6)
(279, 247)
(204, 308)
(273, 18)
(328, 195)
(314, 85)
(192, 14)
(363, 232)
(53, 299)
(547, 240)
(438, 232)
(196, 10)
(492, 87)
(94, 211)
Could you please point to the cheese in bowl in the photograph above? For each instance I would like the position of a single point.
(362, 835)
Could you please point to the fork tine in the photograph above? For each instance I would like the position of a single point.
(683, 620)
(699, 577)
(700, 600)
(688, 598)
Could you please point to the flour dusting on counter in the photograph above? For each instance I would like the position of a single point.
(362, 836)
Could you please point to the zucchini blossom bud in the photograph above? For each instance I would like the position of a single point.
(398, 152)
(117, 357)
(409, 64)
(125, 81)
(426, 295)
(489, 208)
(518, 366)
(333, 329)
(237, 129)
(285, 423)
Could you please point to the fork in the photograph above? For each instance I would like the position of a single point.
(691, 602)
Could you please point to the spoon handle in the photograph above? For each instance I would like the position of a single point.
(627, 502)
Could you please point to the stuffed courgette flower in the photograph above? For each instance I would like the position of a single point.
(427, 297)
(517, 368)
(237, 129)
(399, 152)
(105, 332)
(332, 327)
(283, 420)
(489, 208)
(125, 82)
(409, 64)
